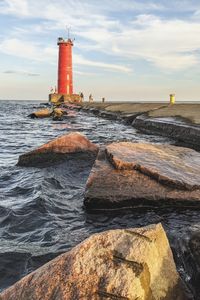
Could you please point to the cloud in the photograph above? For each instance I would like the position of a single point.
(80, 60)
(23, 49)
(14, 7)
(129, 5)
(9, 72)
(167, 44)
(53, 9)
(19, 48)
(21, 73)
(171, 44)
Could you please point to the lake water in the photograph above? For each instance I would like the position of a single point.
(41, 210)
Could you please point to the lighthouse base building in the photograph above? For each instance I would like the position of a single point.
(64, 92)
(56, 98)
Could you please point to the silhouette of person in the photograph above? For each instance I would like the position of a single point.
(91, 98)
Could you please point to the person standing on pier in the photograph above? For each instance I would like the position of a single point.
(82, 97)
(91, 98)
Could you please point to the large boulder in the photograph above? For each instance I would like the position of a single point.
(128, 174)
(117, 264)
(69, 146)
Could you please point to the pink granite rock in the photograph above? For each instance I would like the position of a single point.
(117, 264)
(171, 165)
(64, 147)
(115, 182)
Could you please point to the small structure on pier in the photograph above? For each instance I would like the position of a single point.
(64, 91)
(172, 99)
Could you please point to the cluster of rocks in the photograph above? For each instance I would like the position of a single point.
(55, 114)
(118, 264)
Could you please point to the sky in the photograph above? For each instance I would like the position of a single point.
(123, 50)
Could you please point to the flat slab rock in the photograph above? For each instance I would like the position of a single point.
(69, 146)
(117, 264)
(110, 187)
(171, 165)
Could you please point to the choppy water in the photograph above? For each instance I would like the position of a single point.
(41, 210)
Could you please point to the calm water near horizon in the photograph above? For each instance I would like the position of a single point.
(41, 210)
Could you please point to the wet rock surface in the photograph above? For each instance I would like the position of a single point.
(70, 146)
(173, 166)
(133, 181)
(117, 264)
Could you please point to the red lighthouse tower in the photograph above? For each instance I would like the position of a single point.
(65, 79)
(64, 91)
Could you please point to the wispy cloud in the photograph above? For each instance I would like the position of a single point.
(54, 8)
(138, 38)
(169, 44)
(166, 43)
(22, 49)
(80, 60)
(21, 73)
(14, 7)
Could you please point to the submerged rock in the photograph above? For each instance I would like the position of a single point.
(128, 175)
(117, 264)
(70, 146)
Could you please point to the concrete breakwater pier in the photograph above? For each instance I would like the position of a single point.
(179, 121)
